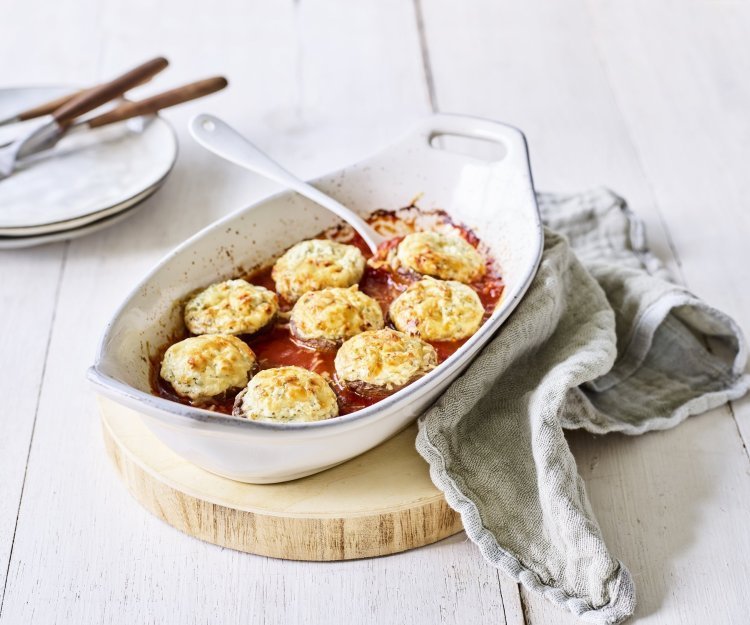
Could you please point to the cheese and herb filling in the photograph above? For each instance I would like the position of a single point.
(440, 255)
(231, 307)
(316, 264)
(206, 366)
(383, 359)
(437, 310)
(335, 314)
(287, 394)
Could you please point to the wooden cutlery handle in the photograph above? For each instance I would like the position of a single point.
(48, 107)
(96, 96)
(161, 101)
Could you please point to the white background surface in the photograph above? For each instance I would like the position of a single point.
(648, 97)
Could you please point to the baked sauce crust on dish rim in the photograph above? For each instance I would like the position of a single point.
(275, 346)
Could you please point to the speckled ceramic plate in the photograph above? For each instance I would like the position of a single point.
(86, 179)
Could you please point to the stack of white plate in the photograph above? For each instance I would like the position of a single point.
(89, 181)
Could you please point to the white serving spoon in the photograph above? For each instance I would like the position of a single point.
(221, 139)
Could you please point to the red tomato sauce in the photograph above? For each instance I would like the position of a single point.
(276, 347)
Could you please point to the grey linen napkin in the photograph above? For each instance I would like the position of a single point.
(601, 341)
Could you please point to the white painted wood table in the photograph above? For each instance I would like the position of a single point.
(648, 97)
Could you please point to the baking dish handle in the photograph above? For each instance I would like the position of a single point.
(512, 139)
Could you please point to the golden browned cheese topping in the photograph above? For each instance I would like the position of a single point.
(384, 358)
(316, 264)
(231, 307)
(437, 310)
(445, 256)
(201, 367)
(335, 314)
(287, 394)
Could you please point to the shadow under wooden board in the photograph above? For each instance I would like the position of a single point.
(379, 503)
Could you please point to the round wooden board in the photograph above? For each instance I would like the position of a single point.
(379, 503)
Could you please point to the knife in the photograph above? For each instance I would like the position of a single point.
(63, 116)
(128, 110)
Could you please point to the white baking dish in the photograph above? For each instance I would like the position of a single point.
(495, 198)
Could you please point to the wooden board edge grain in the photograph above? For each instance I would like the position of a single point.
(278, 536)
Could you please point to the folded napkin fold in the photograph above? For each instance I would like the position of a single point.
(602, 341)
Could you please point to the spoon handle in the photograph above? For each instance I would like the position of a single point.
(223, 140)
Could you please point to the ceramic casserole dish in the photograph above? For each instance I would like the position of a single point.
(493, 197)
